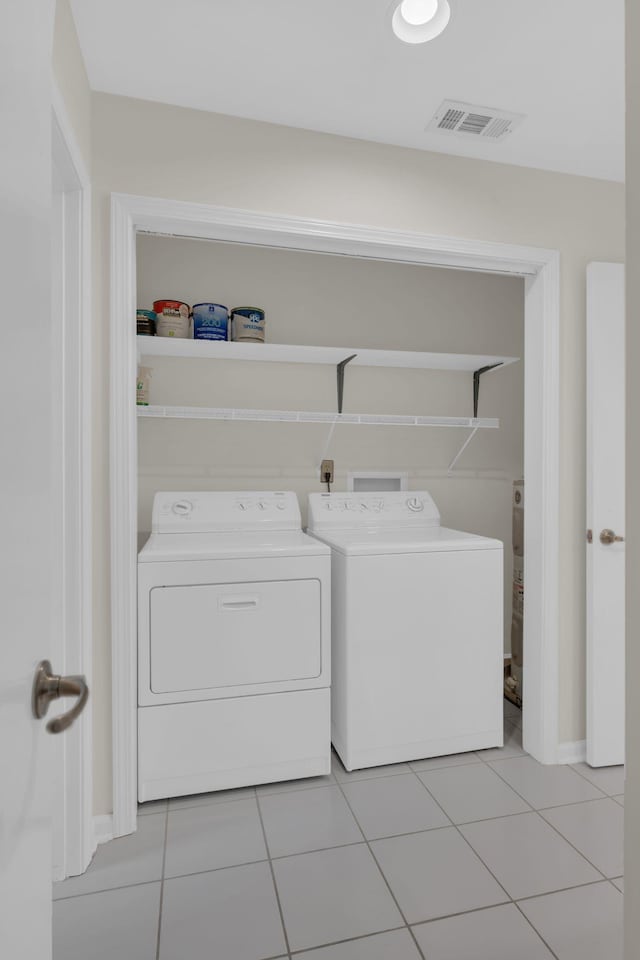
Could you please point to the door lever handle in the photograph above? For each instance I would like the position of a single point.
(607, 537)
(48, 687)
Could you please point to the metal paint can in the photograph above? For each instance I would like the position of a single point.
(146, 323)
(210, 321)
(142, 386)
(247, 323)
(172, 319)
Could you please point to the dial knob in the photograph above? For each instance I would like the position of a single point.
(262, 505)
(415, 505)
(182, 508)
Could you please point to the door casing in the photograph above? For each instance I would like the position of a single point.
(541, 271)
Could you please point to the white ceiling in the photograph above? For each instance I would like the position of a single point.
(335, 66)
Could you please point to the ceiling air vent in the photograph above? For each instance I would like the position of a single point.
(466, 120)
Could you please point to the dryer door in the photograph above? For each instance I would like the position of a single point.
(212, 636)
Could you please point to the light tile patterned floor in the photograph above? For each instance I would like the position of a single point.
(482, 856)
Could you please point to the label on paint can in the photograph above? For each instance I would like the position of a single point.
(146, 323)
(247, 323)
(210, 321)
(173, 319)
(142, 386)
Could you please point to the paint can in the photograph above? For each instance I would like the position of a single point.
(142, 386)
(146, 323)
(247, 323)
(210, 321)
(172, 319)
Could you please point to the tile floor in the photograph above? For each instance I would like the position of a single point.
(482, 856)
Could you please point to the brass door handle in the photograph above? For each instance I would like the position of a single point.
(48, 687)
(607, 537)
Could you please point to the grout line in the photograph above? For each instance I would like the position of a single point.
(573, 846)
(550, 893)
(189, 803)
(575, 803)
(559, 806)
(544, 820)
(537, 932)
(122, 886)
(473, 761)
(461, 834)
(164, 860)
(337, 943)
(273, 879)
(160, 806)
(612, 796)
(381, 871)
(228, 866)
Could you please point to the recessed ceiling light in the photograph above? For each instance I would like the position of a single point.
(417, 21)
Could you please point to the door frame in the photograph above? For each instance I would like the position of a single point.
(541, 271)
(73, 828)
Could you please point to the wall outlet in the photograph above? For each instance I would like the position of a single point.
(326, 471)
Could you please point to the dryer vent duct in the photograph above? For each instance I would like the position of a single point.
(466, 120)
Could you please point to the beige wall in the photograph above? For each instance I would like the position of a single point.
(632, 786)
(163, 151)
(71, 77)
(311, 298)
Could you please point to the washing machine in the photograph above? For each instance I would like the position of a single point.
(233, 645)
(417, 629)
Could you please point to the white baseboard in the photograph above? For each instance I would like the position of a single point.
(103, 828)
(572, 752)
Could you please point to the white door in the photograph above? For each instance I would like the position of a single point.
(605, 513)
(28, 551)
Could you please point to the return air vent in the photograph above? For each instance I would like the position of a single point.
(466, 120)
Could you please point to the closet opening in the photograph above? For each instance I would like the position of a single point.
(234, 421)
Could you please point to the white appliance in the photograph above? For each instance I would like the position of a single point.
(417, 629)
(233, 645)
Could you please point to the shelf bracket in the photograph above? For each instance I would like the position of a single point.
(476, 386)
(462, 449)
(340, 371)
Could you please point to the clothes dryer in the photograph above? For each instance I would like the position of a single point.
(233, 645)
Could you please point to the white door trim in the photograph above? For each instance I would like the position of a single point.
(74, 841)
(541, 268)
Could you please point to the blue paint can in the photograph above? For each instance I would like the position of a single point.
(210, 321)
(247, 323)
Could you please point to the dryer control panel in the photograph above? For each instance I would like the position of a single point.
(331, 511)
(211, 512)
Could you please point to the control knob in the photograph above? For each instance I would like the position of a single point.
(415, 504)
(182, 508)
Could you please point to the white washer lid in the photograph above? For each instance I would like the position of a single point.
(222, 546)
(363, 542)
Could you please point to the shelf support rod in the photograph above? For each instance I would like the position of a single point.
(462, 449)
(476, 386)
(340, 371)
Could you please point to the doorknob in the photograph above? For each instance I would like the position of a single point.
(608, 537)
(47, 687)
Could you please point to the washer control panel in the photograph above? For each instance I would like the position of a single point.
(378, 510)
(209, 512)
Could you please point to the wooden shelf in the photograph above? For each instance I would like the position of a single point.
(285, 353)
(308, 416)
